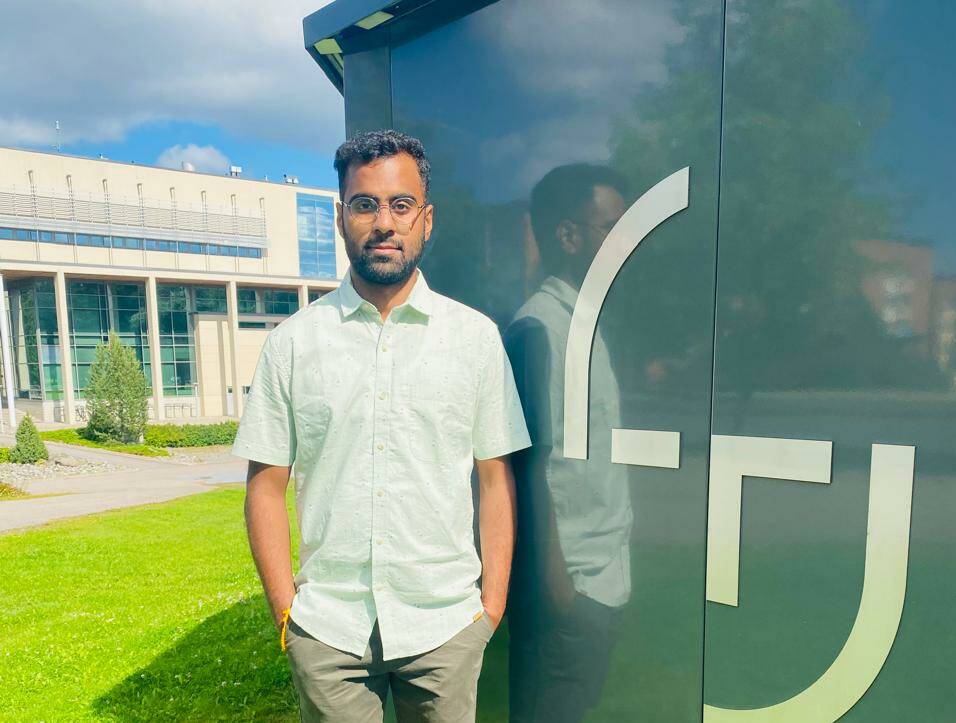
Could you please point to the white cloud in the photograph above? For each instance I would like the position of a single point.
(102, 68)
(577, 83)
(208, 159)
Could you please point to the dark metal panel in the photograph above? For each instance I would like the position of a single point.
(368, 92)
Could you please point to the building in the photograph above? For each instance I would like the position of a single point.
(190, 269)
(777, 315)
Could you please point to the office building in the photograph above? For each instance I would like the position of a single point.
(190, 269)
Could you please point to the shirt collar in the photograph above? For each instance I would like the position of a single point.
(561, 290)
(421, 297)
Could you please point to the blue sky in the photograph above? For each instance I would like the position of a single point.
(218, 83)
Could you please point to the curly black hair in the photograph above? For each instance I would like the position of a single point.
(364, 148)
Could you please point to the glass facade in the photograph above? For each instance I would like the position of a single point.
(256, 300)
(210, 299)
(316, 230)
(177, 347)
(95, 308)
(127, 242)
(804, 302)
(36, 339)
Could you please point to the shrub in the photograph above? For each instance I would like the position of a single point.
(116, 397)
(75, 436)
(29, 447)
(190, 435)
(4, 454)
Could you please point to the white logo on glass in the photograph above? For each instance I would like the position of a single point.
(731, 459)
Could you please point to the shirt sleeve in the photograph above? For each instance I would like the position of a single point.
(267, 429)
(499, 426)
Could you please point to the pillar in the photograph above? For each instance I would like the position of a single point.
(6, 343)
(66, 354)
(155, 355)
(303, 296)
(232, 312)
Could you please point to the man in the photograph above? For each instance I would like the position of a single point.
(572, 569)
(384, 395)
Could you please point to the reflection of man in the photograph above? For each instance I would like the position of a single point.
(385, 395)
(572, 570)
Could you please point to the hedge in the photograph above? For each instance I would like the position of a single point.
(190, 435)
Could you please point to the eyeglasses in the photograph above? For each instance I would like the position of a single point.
(365, 210)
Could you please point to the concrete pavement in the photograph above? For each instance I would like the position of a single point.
(145, 480)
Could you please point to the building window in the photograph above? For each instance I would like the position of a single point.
(247, 301)
(125, 242)
(36, 340)
(95, 309)
(313, 295)
(281, 302)
(177, 350)
(210, 299)
(275, 301)
(315, 217)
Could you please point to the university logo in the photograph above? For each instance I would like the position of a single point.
(734, 457)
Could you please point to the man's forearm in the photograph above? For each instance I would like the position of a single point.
(267, 523)
(496, 523)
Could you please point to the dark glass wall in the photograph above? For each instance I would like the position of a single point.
(544, 123)
(801, 310)
(835, 319)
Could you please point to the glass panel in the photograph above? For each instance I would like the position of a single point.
(609, 555)
(315, 231)
(246, 301)
(835, 319)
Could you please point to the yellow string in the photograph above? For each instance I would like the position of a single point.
(285, 625)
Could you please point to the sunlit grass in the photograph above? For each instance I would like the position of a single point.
(153, 613)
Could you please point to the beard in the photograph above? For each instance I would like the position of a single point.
(384, 271)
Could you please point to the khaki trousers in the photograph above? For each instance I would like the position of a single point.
(439, 686)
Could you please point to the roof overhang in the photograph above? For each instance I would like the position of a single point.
(345, 26)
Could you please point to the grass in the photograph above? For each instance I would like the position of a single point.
(72, 436)
(9, 492)
(152, 613)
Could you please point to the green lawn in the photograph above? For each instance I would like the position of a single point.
(72, 436)
(153, 613)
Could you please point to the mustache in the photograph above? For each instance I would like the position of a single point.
(382, 240)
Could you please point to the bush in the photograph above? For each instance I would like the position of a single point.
(4, 454)
(29, 447)
(190, 435)
(75, 436)
(116, 397)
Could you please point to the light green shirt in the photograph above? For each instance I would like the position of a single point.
(383, 422)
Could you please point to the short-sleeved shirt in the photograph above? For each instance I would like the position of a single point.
(382, 422)
(590, 498)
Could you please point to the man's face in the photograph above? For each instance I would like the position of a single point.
(600, 215)
(381, 250)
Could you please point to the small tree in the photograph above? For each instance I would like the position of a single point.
(29, 447)
(116, 396)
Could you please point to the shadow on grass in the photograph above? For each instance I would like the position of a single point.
(228, 668)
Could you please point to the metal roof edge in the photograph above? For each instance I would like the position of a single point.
(329, 21)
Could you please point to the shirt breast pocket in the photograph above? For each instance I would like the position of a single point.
(435, 416)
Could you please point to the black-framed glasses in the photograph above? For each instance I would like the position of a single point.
(405, 212)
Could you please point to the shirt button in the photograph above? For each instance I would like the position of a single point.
(379, 541)
(382, 395)
(380, 446)
(381, 493)
(384, 348)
